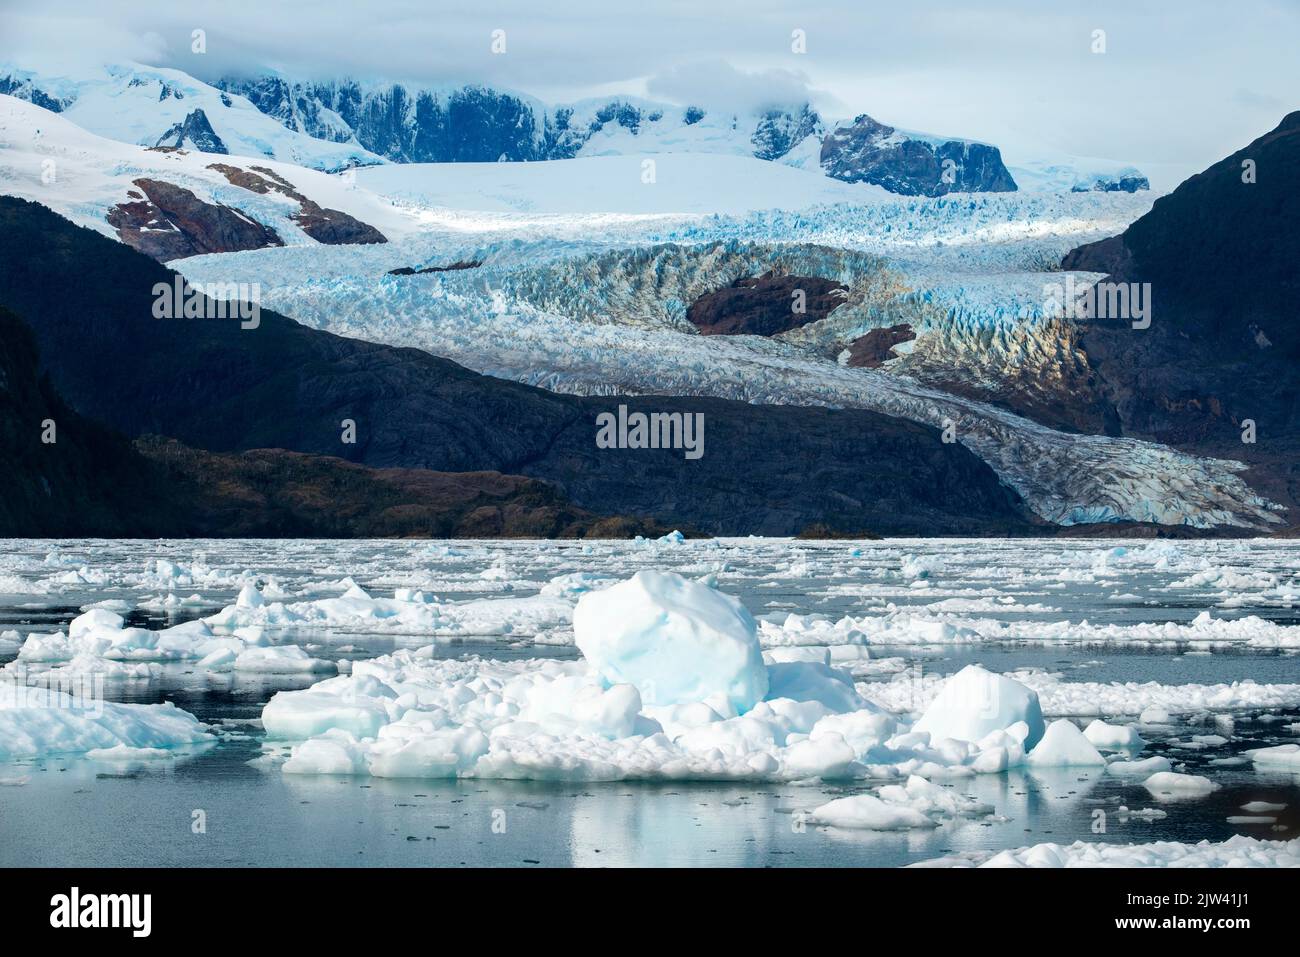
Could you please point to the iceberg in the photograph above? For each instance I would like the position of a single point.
(1171, 784)
(1064, 746)
(35, 722)
(865, 812)
(676, 641)
(975, 702)
(1113, 737)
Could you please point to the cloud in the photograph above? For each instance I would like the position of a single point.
(1186, 83)
(61, 43)
(720, 85)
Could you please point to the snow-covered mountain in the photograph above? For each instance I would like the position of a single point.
(154, 106)
(476, 124)
(1080, 175)
(170, 202)
(335, 124)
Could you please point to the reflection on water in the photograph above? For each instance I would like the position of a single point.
(81, 812)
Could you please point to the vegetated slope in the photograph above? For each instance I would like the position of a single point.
(211, 384)
(87, 481)
(271, 493)
(90, 481)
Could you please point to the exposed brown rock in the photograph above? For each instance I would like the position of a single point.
(765, 305)
(877, 346)
(330, 226)
(451, 267)
(173, 223)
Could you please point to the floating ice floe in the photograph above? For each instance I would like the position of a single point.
(904, 626)
(1112, 737)
(1139, 769)
(409, 611)
(1238, 851)
(916, 804)
(1171, 784)
(1284, 757)
(40, 721)
(893, 629)
(1156, 702)
(863, 811)
(674, 686)
(1262, 807)
(98, 643)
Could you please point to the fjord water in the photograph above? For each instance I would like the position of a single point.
(68, 810)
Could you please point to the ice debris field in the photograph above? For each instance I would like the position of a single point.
(899, 687)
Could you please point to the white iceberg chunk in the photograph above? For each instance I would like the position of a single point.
(975, 702)
(1113, 737)
(1173, 784)
(40, 721)
(867, 812)
(1139, 769)
(1284, 757)
(676, 641)
(1238, 851)
(281, 660)
(1063, 745)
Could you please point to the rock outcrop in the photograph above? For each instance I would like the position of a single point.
(329, 226)
(866, 151)
(1216, 370)
(765, 305)
(169, 222)
(875, 348)
(194, 133)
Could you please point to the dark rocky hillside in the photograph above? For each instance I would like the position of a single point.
(88, 481)
(1223, 347)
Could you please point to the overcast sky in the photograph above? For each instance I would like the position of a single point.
(1181, 82)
